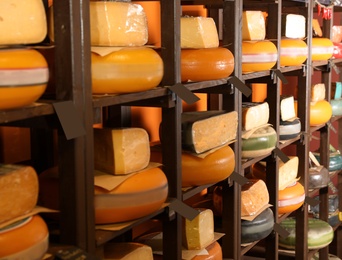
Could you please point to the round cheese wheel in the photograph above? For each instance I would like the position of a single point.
(24, 239)
(126, 70)
(258, 228)
(320, 112)
(320, 233)
(322, 49)
(289, 129)
(260, 143)
(258, 55)
(294, 52)
(24, 75)
(335, 160)
(197, 171)
(206, 64)
(23, 23)
(318, 177)
(291, 198)
(336, 106)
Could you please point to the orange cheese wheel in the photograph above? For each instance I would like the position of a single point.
(206, 64)
(197, 171)
(258, 55)
(291, 198)
(24, 75)
(320, 112)
(126, 70)
(322, 49)
(293, 52)
(24, 239)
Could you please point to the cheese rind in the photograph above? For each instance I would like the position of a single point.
(198, 32)
(205, 130)
(122, 150)
(199, 232)
(254, 196)
(293, 26)
(254, 115)
(253, 26)
(127, 251)
(18, 190)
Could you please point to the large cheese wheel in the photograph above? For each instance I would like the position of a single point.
(291, 198)
(206, 64)
(197, 171)
(294, 52)
(18, 190)
(289, 129)
(320, 112)
(260, 143)
(258, 55)
(126, 70)
(320, 234)
(22, 23)
(322, 49)
(258, 228)
(24, 75)
(25, 239)
(141, 194)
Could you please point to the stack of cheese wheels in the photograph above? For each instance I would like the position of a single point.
(322, 49)
(294, 52)
(291, 198)
(290, 125)
(201, 57)
(320, 234)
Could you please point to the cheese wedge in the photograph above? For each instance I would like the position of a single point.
(293, 26)
(199, 232)
(198, 32)
(316, 27)
(253, 26)
(254, 114)
(254, 196)
(122, 150)
(317, 92)
(287, 108)
(127, 251)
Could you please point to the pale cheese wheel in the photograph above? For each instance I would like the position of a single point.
(24, 75)
(22, 22)
(322, 49)
(18, 190)
(291, 198)
(127, 70)
(293, 52)
(289, 129)
(206, 64)
(24, 239)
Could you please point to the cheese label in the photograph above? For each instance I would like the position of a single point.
(259, 57)
(23, 77)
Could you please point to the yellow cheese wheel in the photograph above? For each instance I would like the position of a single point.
(322, 49)
(206, 64)
(293, 52)
(291, 198)
(126, 70)
(197, 171)
(25, 239)
(320, 112)
(258, 55)
(24, 75)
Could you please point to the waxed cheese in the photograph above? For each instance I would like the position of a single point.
(254, 114)
(293, 26)
(199, 232)
(198, 32)
(127, 251)
(254, 196)
(317, 92)
(287, 108)
(18, 190)
(122, 150)
(253, 26)
(205, 130)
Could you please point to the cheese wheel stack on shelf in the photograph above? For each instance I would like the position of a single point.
(258, 53)
(18, 222)
(23, 70)
(289, 126)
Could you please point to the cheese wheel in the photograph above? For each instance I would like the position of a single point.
(206, 64)
(294, 52)
(18, 190)
(260, 143)
(258, 228)
(197, 171)
(289, 129)
(320, 112)
(321, 49)
(24, 75)
(318, 177)
(258, 55)
(25, 239)
(22, 23)
(126, 70)
(127, 251)
(336, 106)
(320, 234)
(287, 110)
(291, 198)
(335, 160)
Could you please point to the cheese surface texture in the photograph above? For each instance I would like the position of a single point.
(254, 196)
(287, 108)
(199, 232)
(253, 26)
(22, 22)
(127, 251)
(205, 130)
(18, 190)
(198, 32)
(122, 150)
(254, 114)
(293, 26)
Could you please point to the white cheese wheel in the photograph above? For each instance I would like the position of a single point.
(253, 26)
(289, 129)
(254, 114)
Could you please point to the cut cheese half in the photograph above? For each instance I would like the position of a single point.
(127, 251)
(317, 92)
(254, 115)
(205, 130)
(291, 198)
(322, 49)
(198, 32)
(293, 52)
(253, 26)
(122, 150)
(199, 232)
(293, 26)
(287, 109)
(18, 190)
(254, 196)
